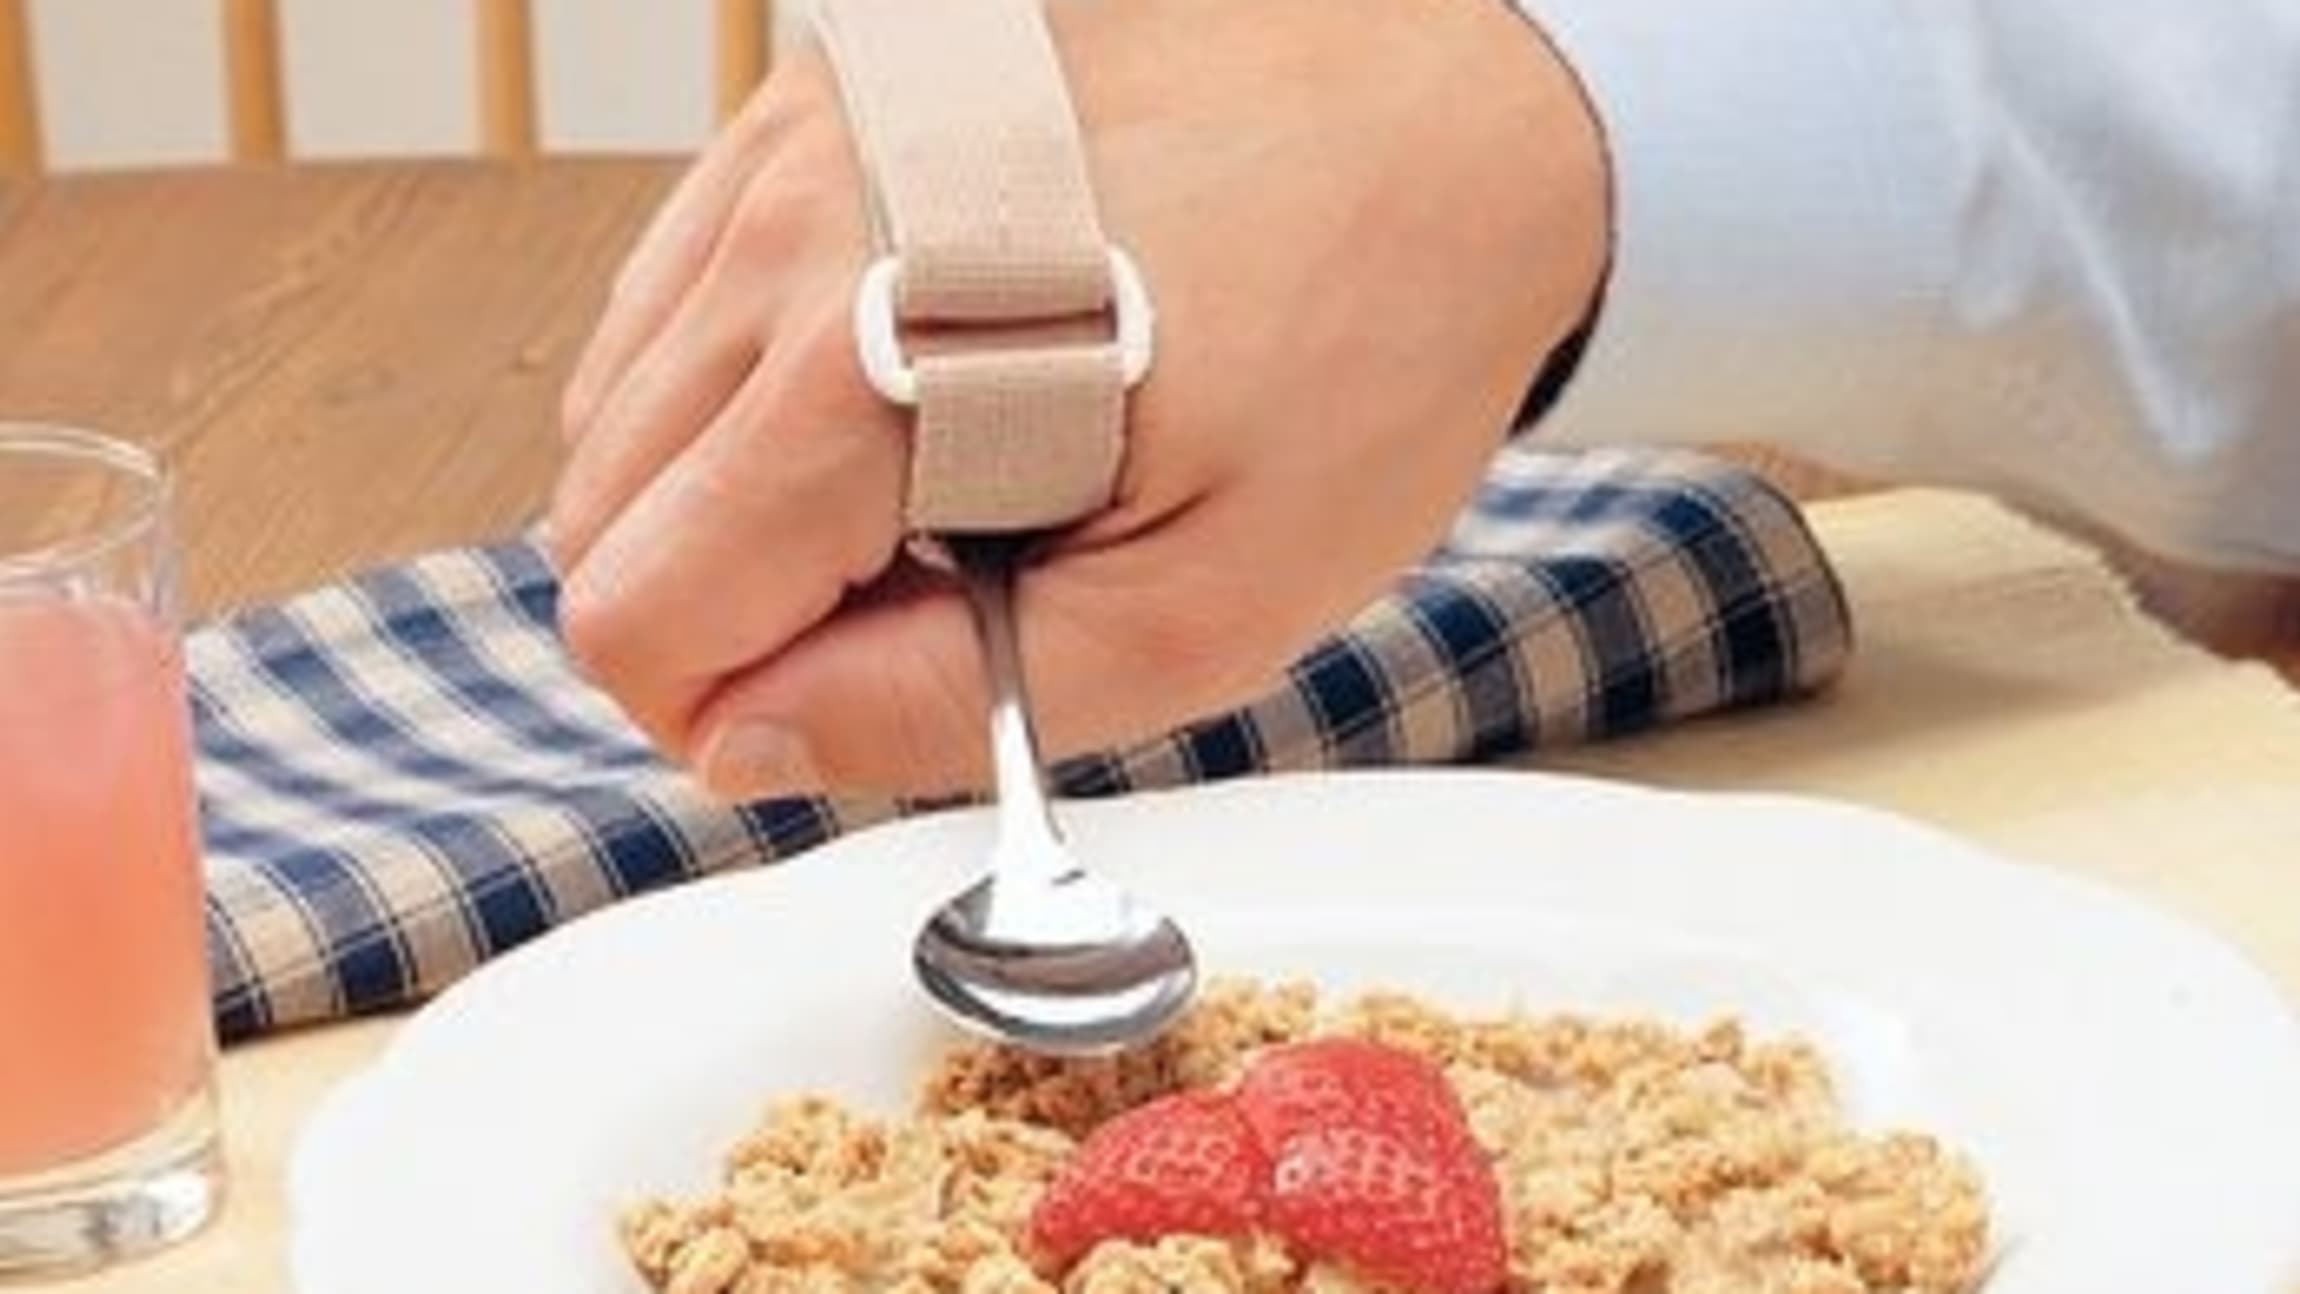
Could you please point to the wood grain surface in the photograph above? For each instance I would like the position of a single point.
(342, 364)
(351, 363)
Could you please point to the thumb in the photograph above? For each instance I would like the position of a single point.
(889, 695)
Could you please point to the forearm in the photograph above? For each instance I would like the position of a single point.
(2005, 247)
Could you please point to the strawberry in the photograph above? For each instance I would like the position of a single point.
(1347, 1150)
(1397, 1209)
(1349, 1083)
(1185, 1164)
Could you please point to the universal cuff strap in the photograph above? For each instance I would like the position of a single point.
(997, 309)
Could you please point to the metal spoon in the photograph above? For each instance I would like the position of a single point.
(1041, 953)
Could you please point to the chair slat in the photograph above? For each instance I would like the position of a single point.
(745, 36)
(507, 104)
(21, 151)
(255, 81)
(254, 88)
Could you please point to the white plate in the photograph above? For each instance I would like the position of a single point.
(2130, 1087)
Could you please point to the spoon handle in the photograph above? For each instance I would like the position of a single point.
(1027, 837)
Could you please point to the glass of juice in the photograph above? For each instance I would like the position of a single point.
(107, 1111)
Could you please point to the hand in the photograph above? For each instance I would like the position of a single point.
(1364, 223)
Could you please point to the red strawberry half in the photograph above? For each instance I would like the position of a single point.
(1397, 1209)
(1348, 1150)
(1350, 1083)
(1184, 1164)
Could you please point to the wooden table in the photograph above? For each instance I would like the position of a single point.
(343, 364)
(350, 364)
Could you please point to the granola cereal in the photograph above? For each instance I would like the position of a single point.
(1633, 1158)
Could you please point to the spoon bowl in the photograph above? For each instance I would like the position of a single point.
(1042, 953)
(1057, 995)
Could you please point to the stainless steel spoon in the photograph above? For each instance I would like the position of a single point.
(1040, 952)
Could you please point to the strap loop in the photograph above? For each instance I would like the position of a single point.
(878, 339)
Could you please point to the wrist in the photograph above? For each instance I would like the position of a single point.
(1550, 156)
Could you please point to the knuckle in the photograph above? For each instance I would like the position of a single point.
(576, 402)
(805, 195)
(597, 628)
(607, 638)
(562, 539)
(578, 509)
(767, 227)
(790, 89)
(825, 447)
(820, 366)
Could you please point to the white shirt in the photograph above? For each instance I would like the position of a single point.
(2045, 247)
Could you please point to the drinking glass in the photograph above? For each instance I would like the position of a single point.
(107, 1053)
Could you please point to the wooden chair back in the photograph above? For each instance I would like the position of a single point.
(256, 91)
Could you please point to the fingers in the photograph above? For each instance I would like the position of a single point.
(900, 661)
(732, 476)
(748, 537)
(671, 393)
(786, 251)
(663, 266)
(889, 695)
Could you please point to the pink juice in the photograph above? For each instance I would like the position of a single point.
(103, 975)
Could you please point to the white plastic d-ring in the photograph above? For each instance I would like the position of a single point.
(878, 341)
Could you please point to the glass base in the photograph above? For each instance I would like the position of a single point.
(129, 1201)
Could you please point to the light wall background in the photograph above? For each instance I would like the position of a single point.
(139, 82)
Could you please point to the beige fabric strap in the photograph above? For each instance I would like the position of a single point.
(1015, 440)
(979, 188)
